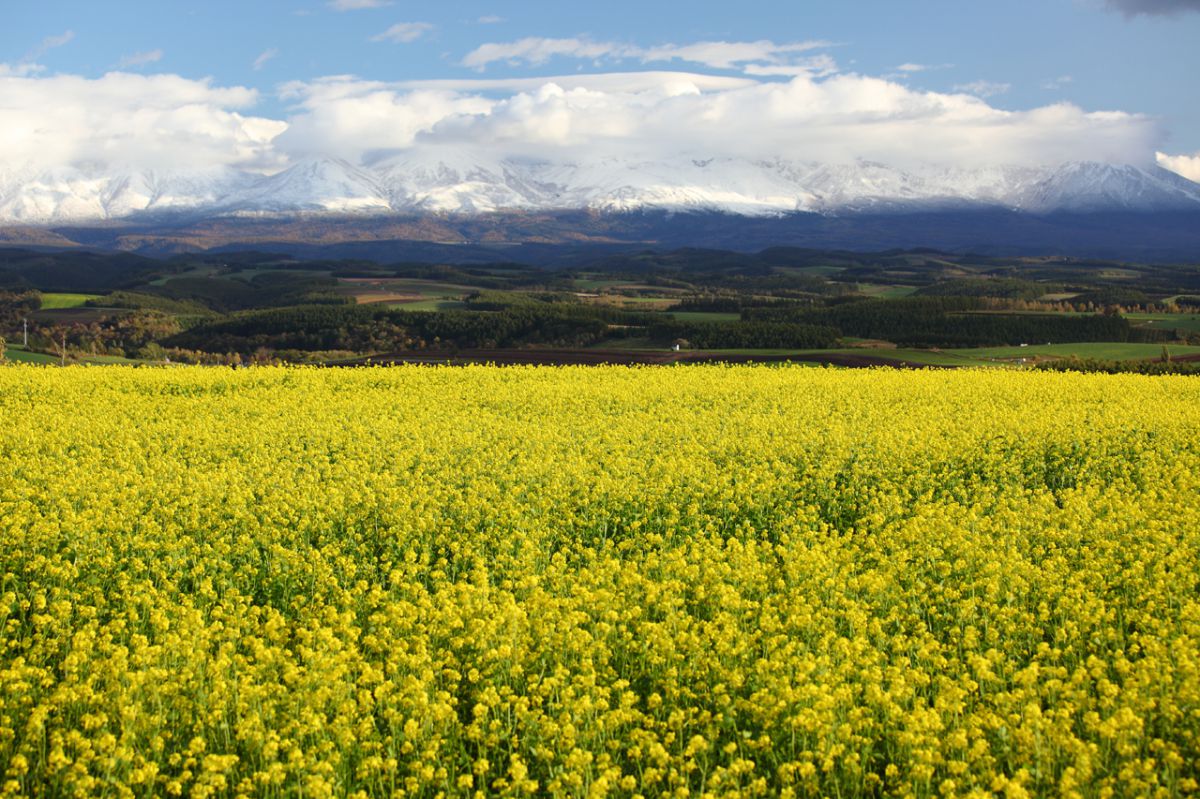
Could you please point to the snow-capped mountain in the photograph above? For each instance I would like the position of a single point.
(1104, 187)
(473, 182)
(91, 192)
(311, 185)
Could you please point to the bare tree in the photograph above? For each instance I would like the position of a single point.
(58, 337)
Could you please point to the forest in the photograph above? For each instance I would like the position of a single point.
(911, 306)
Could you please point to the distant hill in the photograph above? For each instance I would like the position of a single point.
(555, 237)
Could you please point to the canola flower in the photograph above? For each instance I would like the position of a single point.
(702, 581)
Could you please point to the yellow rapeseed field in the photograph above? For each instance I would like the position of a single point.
(717, 581)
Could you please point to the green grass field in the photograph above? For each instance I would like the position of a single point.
(428, 305)
(425, 288)
(247, 275)
(199, 271)
(704, 316)
(823, 271)
(1110, 351)
(591, 284)
(55, 301)
(1178, 321)
(926, 357)
(18, 355)
(428, 287)
(994, 356)
(929, 357)
(991, 356)
(885, 292)
(108, 359)
(619, 299)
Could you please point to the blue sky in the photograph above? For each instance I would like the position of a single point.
(1014, 55)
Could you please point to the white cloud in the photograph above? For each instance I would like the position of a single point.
(719, 55)
(264, 57)
(535, 50)
(157, 121)
(169, 121)
(57, 41)
(618, 82)
(48, 44)
(45, 47)
(140, 59)
(355, 5)
(836, 119)
(1054, 84)
(27, 65)
(983, 88)
(350, 118)
(818, 66)
(910, 68)
(403, 32)
(728, 55)
(20, 70)
(489, 19)
(1186, 165)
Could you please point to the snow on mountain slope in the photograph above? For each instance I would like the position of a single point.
(313, 184)
(724, 184)
(1104, 187)
(463, 181)
(446, 180)
(89, 192)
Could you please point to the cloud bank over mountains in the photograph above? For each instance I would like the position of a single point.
(148, 121)
(168, 121)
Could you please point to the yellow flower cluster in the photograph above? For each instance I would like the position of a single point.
(695, 581)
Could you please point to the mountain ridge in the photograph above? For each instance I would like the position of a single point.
(464, 182)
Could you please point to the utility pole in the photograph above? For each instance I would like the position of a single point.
(63, 352)
(25, 331)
